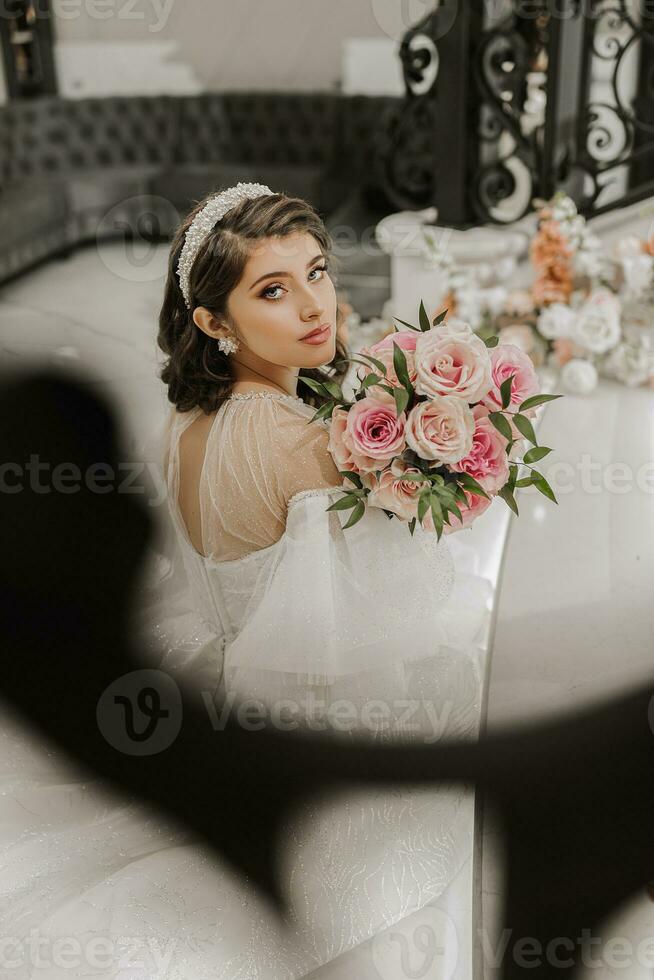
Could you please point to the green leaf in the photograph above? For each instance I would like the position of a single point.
(537, 400)
(373, 360)
(538, 452)
(324, 412)
(352, 477)
(357, 514)
(425, 325)
(423, 505)
(539, 481)
(334, 390)
(501, 424)
(412, 526)
(524, 482)
(369, 380)
(415, 477)
(459, 494)
(513, 475)
(492, 341)
(507, 495)
(436, 508)
(454, 509)
(524, 426)
(345, 503)
(388, 389)
(317, 386)
(505, 391)
(470, 484)
(437, 514)
(405, 324)
(439, 319)
(401, 370)
(401, 400)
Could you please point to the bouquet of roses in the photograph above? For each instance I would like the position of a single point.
(435, 417)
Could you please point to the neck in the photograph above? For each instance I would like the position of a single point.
(250, 369)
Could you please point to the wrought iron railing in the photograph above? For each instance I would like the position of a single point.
(509, 100)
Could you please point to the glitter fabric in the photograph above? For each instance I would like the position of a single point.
(364, 631)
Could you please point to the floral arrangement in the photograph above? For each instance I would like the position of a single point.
(584, 315)
(435, 417)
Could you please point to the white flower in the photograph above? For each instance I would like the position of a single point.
(631, 362)
(579, 376)
(556, 320)
(638, 272)
(494, 299)
(629, 246)
(453, 326)
(597, 325)
(469, 306)
(589, 261)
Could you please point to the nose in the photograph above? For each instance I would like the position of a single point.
(311, 306)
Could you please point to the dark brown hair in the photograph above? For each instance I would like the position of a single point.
(196, 371)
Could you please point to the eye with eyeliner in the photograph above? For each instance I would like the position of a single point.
(264, 294)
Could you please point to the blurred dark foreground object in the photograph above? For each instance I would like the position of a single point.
(575, 797)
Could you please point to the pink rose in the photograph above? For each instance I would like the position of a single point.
(441, 429)
(487, 461)
(392, 492)
(476, 507)
(383, 351)
(507, 359)
(374, 434)
(339, 443)
(452, 360)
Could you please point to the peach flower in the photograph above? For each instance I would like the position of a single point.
(519, 302)
(441, 429)
(452, 360)
(519, 334)
(487, 461)
(392, 492)
(549, 245)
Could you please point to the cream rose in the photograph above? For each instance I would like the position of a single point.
(441, 429)
(452, 360)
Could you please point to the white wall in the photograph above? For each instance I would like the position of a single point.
(177, 46)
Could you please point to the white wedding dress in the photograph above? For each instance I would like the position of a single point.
(366, 632)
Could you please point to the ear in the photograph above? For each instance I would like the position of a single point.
(208, 323)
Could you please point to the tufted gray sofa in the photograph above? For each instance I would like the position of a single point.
(75, 170)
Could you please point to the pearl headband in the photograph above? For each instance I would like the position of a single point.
(203, 224)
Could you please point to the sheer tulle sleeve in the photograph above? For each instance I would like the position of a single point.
(261, 452)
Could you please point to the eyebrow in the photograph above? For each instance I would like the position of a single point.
(270, 275)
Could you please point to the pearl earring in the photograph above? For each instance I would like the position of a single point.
(227, 345)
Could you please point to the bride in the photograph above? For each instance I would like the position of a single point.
(296, 621)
